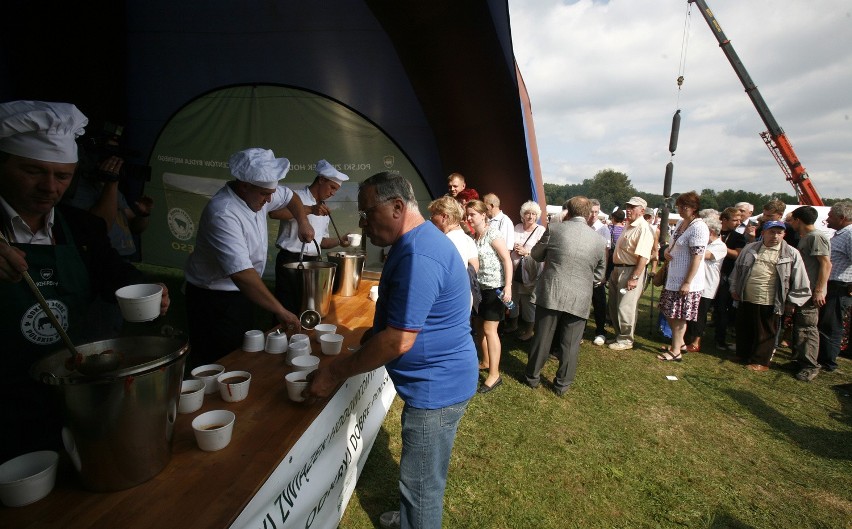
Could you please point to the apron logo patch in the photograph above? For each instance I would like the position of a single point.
(180, 224)
(46, 273)
(36, 326)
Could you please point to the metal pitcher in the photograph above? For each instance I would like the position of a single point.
(349, 269)
(311, 282)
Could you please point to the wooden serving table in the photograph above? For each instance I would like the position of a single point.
(213, 489)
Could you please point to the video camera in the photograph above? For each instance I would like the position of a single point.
(99, 147)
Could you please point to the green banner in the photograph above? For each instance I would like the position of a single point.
(190, 159)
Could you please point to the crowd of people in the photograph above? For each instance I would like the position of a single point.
(437, 314)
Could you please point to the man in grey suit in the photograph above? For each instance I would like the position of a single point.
(574, 261)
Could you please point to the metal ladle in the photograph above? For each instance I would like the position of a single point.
(88, 365)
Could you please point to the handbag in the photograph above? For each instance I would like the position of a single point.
(660, 276)
(518, 275)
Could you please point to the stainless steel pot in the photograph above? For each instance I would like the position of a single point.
(311, 282)
(349, 269)
(119, 425)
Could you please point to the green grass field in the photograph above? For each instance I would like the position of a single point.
(720, 447)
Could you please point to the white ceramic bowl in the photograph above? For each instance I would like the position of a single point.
(234, 385)
(208, 373)
(296, 383)
(28, 478)
(331, 343)
(213, 429)
(191, 395)
(324, 328)
(305, 363)
(139, 302)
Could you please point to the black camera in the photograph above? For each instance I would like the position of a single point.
(98, 148)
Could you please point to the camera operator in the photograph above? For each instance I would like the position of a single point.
(101, 168)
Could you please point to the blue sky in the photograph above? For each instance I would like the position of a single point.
(602, 82)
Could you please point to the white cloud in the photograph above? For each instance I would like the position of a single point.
(601, 77)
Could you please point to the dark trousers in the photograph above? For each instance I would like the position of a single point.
(757, 326)
(599, 308)
(217, 321)
(695, 329)
(837, 303)
(723, 311)
(570, 327)
(291, 300)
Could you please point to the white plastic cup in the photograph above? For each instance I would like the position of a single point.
(324, 328)
(296, 383)
(331, 344)
(139, 302)
(276, 343)
(234, 385)
(374, 292)
(213, 429)
(208, 373)
(354, 239)
(297, 349)
(622, 291)
(253, 341)
(305, 363)
(28, 478)
(299, 338)
(191, 395)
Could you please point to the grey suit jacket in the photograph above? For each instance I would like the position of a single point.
(574, 259)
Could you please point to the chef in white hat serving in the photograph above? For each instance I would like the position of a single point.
(326, 183)
(67, 252)
(224, 272)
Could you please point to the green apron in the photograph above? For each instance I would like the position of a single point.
(28, 335)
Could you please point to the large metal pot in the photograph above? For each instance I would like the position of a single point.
(349, 268)
(119, 425)
(310, 282)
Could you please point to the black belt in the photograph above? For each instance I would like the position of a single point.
(842, 287)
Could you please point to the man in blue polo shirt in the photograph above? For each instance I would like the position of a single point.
(421, 334)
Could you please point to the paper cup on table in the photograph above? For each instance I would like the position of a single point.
(354, 239)
(191, 395)
(276, 343)
(253, 341)
(324, 328)
(296, 383)
(139, 302)
(234, 385)
(374, 292)
(297, 349)
(299, 338)
(207, 374)
(331, 343)
(305, 363)
(28, 478)
(213, 429)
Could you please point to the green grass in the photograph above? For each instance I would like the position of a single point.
(721, 447)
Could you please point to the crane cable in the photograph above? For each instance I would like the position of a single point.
(684, 46)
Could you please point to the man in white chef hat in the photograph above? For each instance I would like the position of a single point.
(326, 183)
(67, 252)
(224, 272)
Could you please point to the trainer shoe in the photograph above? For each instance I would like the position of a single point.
(389, 520)
(621, 345)
(610, 340)
(599, 339)
(807, 374)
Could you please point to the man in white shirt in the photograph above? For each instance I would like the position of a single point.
(498, 219)
(224, 273)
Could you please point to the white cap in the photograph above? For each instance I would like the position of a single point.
(328, 171)
(42, 131)
(259, 167)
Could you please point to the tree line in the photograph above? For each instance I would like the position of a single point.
(613, 188)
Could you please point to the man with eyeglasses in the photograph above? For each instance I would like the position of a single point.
(632, 252)
(326, 183)
(421, 334)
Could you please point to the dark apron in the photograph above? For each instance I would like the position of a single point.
(28, 335)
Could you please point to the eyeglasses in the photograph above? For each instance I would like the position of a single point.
(363, 214)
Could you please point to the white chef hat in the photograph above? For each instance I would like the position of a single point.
(327, 170)
(41, 131)
(259, 167)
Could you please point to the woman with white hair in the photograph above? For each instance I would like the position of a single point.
(526, 270)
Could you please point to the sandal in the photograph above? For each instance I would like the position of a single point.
(668, 357)
(668, 348)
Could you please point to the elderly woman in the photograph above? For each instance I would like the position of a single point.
(495, 280)
(447, 215)
(685, 281)
(713, 257)
(526, 270)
